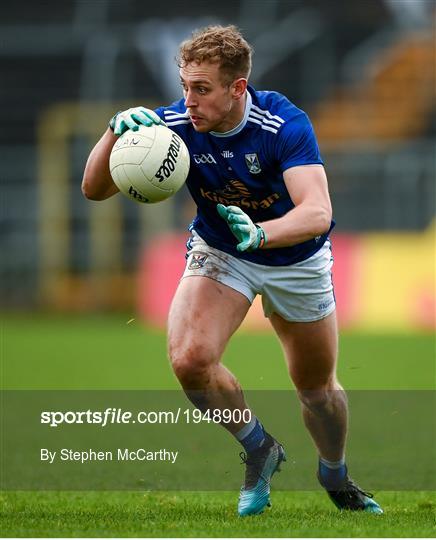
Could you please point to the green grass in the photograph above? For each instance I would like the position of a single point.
(301, 514)
(46, 352)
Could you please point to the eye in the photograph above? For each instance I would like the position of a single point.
(202, 90)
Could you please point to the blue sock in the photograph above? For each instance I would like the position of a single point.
(332, 473)
(251, 436)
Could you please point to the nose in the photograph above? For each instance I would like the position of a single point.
(189, 99)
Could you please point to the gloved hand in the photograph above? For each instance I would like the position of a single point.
(250, 235)
(132, 118)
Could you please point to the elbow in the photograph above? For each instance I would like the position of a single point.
(87, 191)
(90, 192)
(324, 221)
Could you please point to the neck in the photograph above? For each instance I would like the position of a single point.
(235, 118)
(239, 111)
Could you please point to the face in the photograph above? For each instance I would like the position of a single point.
(212, 105)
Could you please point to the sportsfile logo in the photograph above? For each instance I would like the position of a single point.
(204, 158)
(169, 163)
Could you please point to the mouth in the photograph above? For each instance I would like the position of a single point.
(195, 119)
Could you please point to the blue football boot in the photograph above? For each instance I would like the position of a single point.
(260, 466)
(349, 496)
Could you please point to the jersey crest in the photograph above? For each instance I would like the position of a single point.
(252, 162)
(197, 261)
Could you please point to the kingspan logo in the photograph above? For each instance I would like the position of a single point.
(236, 193)
(169, 163)
(235, 189)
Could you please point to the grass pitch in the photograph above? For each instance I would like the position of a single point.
(99, 353)
(106, 353)
(297, 514)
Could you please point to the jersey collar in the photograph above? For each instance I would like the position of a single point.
(241, 124)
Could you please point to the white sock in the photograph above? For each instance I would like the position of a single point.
(333, 464)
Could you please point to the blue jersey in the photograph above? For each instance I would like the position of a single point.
(244, 167)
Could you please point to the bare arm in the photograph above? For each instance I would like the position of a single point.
(311, 217)
(97, 183)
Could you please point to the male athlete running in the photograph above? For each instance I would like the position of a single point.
(262, 225)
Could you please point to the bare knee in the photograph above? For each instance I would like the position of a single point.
(321, 398)
(314, 399)
(192, 363)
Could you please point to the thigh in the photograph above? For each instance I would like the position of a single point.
(301, 292)
(205, 313)
(311, 350)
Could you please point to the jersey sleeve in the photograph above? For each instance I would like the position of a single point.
(297, 144)
(160, 112)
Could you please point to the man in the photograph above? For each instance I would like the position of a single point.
(262, 226)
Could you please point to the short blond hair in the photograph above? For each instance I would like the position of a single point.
(223, 45)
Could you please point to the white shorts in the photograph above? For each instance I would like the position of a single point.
(301, 292)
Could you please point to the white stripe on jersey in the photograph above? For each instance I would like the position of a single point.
(263, 126)
(174, 114)
(177, 122)
(267, 113)
(265, 120)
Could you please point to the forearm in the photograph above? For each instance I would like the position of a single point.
(97, 183)
(304, 222)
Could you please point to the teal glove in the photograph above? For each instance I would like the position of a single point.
(249, 235)
(132, 118)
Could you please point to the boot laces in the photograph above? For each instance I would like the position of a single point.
(351, 489)
(254, 465)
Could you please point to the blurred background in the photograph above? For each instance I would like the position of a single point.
(364, 71)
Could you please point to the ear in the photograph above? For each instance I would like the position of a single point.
(239, 86)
